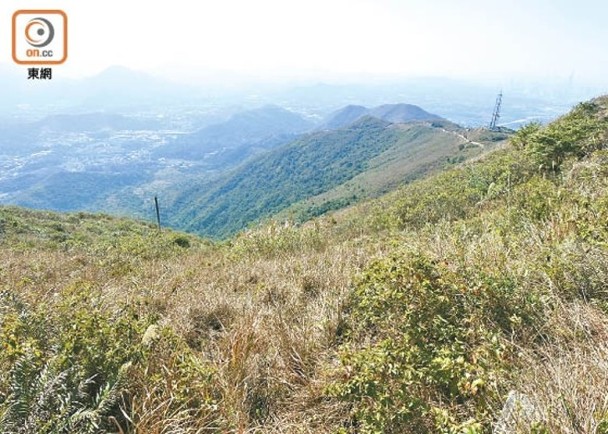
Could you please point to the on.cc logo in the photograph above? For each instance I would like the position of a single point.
(39, 32)
(40, 37)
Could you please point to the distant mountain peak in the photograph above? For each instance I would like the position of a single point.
(394, 113)
(345, 116)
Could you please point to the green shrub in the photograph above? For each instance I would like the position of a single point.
(425, 345)
(576, 134)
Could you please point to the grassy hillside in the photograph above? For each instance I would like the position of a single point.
(324, 171)
(421, 149)
(417, 312)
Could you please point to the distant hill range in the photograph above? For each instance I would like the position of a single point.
(240, 136)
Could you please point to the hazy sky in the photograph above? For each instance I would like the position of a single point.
(317, 38)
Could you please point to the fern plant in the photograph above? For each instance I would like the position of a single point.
(45, 400)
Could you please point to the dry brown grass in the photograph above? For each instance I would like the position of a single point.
(566, 377)
(267, 326)
(250, 331)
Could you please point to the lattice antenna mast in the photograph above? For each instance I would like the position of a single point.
(496, 114)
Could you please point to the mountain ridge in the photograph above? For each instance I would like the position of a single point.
(322, 171)
(394, 113)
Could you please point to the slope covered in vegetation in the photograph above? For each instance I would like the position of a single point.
(323, 171)
(417, 312)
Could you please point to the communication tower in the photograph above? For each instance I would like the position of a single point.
(496, 114)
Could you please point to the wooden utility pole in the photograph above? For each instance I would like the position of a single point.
(157, 212)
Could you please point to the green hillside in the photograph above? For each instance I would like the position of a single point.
(273, 181)
(421, 149)
(324, 171)
(418, 312)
